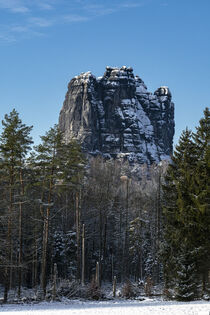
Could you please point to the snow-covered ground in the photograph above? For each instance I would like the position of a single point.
(146, 307)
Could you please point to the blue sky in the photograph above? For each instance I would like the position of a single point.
(44, 43)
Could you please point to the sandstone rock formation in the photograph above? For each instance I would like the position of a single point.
(116, 116)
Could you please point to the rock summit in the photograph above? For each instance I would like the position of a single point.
(115, 115)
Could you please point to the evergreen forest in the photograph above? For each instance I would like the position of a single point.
(69, 223)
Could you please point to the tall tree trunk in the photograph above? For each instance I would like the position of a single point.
(78, 235)
(105, 237)
(8, 272)
(125, 252)
(114, 286)
(35, 263)
(20, 251)
(83, 254)
(54, 281)
(20, 235)
(45, 240)
(97, 276)
(44, 251)
(158, 223)
(100, 242)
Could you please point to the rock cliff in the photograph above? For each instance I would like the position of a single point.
(116, 116)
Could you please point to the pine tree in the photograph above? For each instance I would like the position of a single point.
(179, 216)
(15, 143)
(187, 213)
(58, 171)
(71, 174)
(47, 165)
(201, 198)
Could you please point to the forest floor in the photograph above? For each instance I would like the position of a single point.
(114, 307)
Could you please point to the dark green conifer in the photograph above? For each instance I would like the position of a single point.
(186, 213)
(15, 142)
(201, 196)
(178, 210)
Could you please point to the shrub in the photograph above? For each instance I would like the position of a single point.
(148, 286)
(69, 289)
(129, 290)
(94, 291)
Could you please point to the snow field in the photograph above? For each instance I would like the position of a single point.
(109, 308)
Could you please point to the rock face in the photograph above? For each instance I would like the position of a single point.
(115, 115)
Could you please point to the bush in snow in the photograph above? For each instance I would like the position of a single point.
(70, 289)
(94, 291)
(129, 290)
(148, 286)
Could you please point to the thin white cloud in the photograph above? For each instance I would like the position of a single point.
(131, 5)
(40, 22)
(18, 32)
(14, 6)
(75, 18)
(25, 6)
(38, 15)
(45, 6)
(18, 29)
(102, 11)
(97, 10)
(6, 38)
(20, 9)
(93, 6)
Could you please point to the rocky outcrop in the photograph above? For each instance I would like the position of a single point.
(115, 115)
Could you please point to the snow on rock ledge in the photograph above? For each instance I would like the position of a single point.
(116, 116)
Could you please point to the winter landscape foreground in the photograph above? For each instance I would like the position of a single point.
(75, 307)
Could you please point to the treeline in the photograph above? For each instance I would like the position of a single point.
(79, 218)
